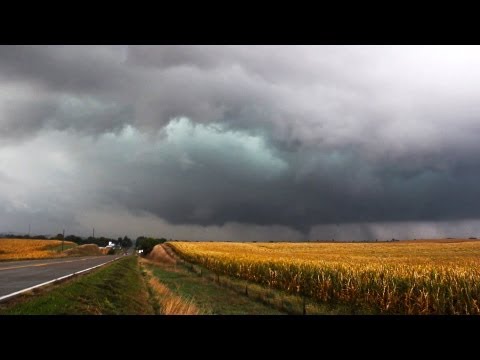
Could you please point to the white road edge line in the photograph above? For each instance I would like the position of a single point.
(52, 281)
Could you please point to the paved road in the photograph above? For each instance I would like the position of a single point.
(19, 275)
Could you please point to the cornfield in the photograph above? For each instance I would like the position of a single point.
(22, 249)
(394, 278)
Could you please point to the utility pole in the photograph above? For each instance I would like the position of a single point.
(93, 233)
(63, 238)
(29, 230)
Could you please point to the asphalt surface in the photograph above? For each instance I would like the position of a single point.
(19, 275)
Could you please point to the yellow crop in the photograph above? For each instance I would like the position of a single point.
(20, 249)
(402, 277)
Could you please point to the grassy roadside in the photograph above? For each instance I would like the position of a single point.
(266, 301)
(116, 289)
(163, 300)
(209, 297)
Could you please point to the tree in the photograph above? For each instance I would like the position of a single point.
(73, 238)
(126, 242)
(147, 243)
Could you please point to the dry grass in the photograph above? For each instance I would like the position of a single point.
(169, 303)
(85, 250)
(22, 249)
(104, 251)
(429, 277)
(158, 254)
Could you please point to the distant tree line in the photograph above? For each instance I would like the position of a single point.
(13, 236)
(147, 243)
(124, 242)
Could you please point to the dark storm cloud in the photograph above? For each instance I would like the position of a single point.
(291, 136)
(20, 118)
(77, 69)
(173, 56)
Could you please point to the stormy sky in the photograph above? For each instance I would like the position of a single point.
(241, 142)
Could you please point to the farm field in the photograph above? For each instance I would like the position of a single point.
(27, 249)
(423, 277)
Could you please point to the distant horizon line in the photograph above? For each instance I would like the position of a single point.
(4, 234)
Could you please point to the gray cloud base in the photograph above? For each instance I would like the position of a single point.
(284, 137)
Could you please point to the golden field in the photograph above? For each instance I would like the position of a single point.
(23, 249)
(411, 277)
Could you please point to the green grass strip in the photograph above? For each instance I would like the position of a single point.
(116, 289)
